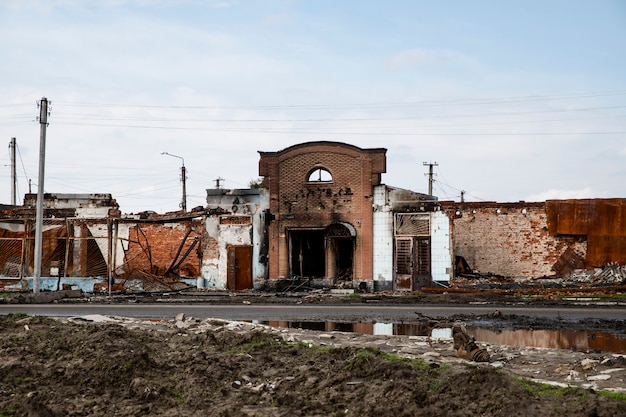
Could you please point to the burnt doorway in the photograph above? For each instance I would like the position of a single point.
(239, 274)
(340, 238)
(306, 253)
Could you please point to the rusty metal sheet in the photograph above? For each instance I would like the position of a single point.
(602, 221)
(568, 217)
(604, 249)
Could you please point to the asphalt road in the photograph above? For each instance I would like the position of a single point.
(339, 313)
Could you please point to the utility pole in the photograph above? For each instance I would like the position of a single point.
(218, 182)
(43, 123)
(462, 196)
(183, 178)
(13, 173)
(430, 176)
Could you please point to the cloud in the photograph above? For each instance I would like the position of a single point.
(421, 57)
(556, 194)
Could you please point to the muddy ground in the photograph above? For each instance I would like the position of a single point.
(105, 366)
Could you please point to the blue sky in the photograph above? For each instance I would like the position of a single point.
(516, 100)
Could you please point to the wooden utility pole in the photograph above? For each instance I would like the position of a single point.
(430, 176)
(43, 123)
(12, 145)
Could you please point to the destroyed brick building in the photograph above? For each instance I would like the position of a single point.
(538, 240)
(322, 217)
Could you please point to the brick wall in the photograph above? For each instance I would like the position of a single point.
(154, 246)
(508, 239)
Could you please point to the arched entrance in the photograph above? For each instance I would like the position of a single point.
(323, 253)
(340, 251)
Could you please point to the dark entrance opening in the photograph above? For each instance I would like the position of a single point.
(344, 250)
(340, 237)
(306, 255)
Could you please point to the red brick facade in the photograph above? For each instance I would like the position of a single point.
(336, 210)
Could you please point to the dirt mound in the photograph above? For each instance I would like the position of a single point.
(49, 368)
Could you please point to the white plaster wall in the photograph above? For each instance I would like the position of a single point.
(92, 212)
(214, 271)
(383, 236)
(441, 256)
(259, 270)
(210, 266)
(120, 246)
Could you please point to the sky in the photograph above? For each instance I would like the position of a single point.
(516, 100)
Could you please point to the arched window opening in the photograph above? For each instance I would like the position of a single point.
(320, 175)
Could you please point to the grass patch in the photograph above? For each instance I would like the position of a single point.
(615, 395)
(542, 390)
(368, 354)
(353, 295)
(258, 343)
(319, 348)
(7, 412)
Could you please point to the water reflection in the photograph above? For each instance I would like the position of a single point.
(556, 339)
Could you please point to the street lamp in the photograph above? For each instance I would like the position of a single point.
(183, 178)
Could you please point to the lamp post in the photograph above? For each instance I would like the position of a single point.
(183, 178)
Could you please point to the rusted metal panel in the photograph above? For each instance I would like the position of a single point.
(584, 217)
(604, 249)
(568, 217)
(602, 221)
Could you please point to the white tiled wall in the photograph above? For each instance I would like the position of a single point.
(441, 258)
(383, 236)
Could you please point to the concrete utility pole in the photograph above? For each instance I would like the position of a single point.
(430, 176)
(12, 145)
(183, 178)
(43, 123)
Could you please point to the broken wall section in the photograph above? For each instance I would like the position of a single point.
(164, 247)
(235, 244)
(508, 240)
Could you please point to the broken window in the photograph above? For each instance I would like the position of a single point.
(319, 175)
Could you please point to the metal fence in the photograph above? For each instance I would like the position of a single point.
(70, 247)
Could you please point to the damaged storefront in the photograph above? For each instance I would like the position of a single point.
(334, 224)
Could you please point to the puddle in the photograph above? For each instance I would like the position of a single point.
(555, 339)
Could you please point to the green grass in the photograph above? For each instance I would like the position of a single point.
(615, 395)
(542, 390)
(7, 412)
(319, 348)
(353, 295)
(368, 354)
(616, 296)
(254, 344)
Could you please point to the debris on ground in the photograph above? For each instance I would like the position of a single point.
(104, 365)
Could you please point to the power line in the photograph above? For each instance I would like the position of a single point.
(433, 103)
